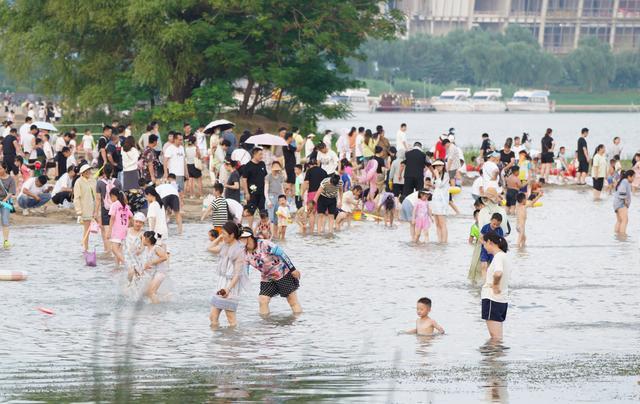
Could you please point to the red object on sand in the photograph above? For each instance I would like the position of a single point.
(37, 165)
(45, 310)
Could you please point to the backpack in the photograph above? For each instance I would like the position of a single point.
(106, 201)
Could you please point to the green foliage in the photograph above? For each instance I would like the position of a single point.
(211, 98)
(591, 66)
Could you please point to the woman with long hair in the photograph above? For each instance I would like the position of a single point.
(495, 291)
(599, 170)
(440, 200)
(622, 201)
(130, 168)
(156, 215)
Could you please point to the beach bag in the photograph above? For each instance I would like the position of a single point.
(106, 201)
(198, 164)
(90, 258)
(94, 227)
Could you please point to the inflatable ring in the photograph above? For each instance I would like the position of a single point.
(357, 215)
(503, 203)
(538, 204)
(13, 275)
(455, 190)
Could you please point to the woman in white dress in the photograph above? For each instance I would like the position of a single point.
(440, 200)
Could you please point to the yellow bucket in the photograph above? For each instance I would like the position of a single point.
(357, 215)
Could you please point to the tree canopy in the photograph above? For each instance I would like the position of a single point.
(120, 51)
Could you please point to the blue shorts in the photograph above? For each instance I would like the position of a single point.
(485, 256)
(494, 311)
(4, 216)
(406, 213)
(180, 183)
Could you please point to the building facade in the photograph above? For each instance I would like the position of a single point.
(558, 25)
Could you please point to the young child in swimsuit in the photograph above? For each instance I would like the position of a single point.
(422, 217)
(284, 216)
(521, 215)
(425, 324)
(263, 229)
(304, 214)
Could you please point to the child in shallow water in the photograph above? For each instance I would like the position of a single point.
(156, 263)
(425, 325)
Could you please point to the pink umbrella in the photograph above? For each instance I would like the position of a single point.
(266, 140)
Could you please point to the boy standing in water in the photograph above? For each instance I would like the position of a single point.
(425, 324)
(521, 214)
(494, 226)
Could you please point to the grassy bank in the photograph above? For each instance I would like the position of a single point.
(562, 96)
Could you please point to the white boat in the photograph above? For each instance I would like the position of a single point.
(488, 100)
(356, 99)
(456, 100)
(530, 101)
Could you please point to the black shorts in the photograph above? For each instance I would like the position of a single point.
(104, 214)
(193, 171)
(11, 164)
(256, 202)
(547, 158)
(171, 202)
(327, 205)
(494, 311)
(511, 198)
(397, 189)
(283, 286)
(291, 176)
(583, 166)
(598, 183)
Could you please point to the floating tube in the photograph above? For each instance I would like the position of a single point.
(45, 310)
(357, 215)
(13, 275)
(538, 204)
(454, 190)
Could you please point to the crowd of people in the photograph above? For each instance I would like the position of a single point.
(128, 188)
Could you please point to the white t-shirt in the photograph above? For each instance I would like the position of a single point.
(453, 158)
(489, 170)
(236, 209)
(328, 161)
(401, 139)
(328, 140)
(165, 190)
(359, 150)
(25, 129)
(87, 142)
(63, 182)
(155, 211)
(201, 142)
(475, 187)
(130, 159)
(308, 147)
(498, 265)
(349, 202)
(31, 186)
(176, 157)
(60, 143)
(31, 113)
(343, 147)
(25, 141)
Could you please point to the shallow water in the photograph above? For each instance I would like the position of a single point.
(426, 127)
(571, 332)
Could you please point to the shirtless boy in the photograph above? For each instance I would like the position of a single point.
(424, 324)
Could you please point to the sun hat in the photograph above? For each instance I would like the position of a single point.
(437, 163)
(84, 168)
(246, 232)
(494, 154)
(139, 217)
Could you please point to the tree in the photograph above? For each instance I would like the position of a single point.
(591, 66)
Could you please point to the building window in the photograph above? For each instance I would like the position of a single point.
(629, 8)
(526, 7)
(562, 8)
(601, 33)
(559, 38)
(597, 8)
(627, 38)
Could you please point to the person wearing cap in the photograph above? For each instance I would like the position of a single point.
(84, 202)
(440, 200)
(278, 274)
(491, 171)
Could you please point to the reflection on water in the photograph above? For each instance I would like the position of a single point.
(572, 326)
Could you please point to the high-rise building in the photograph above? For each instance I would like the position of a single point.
(558, 25)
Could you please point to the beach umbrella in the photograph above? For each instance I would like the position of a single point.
(221, 124)
(46, 126)
(266, 140)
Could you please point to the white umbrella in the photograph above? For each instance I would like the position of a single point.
(241, 155)
(266, 140)
(46, 126)
(221, 124)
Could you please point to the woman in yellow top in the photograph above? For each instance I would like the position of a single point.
(599, 171)
(368, 146)
(84, 201)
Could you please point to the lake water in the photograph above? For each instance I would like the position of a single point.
(426, 127)
(571, 333)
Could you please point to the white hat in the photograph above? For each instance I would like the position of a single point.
(84, 168)
(437, 163)
(452, 138)
(139, 217)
